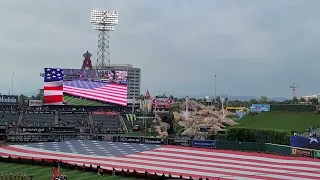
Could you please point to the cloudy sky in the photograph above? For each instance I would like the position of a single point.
(254, 47)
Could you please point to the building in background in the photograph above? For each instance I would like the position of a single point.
(134, 79)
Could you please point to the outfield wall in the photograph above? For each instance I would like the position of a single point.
(225, 145)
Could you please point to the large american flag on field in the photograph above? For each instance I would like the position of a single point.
(54, 87)
(176, 160)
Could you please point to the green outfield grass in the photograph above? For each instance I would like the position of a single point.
(81, 102)
(45, 173)
(283, 121)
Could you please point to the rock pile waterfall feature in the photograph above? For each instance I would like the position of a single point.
(192, 115)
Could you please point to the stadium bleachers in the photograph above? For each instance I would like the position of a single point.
(106, 123)
(38, 119)
(311, 133)
(77, 120)
(7, 118)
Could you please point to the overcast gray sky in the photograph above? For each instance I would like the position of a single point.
(255, 47)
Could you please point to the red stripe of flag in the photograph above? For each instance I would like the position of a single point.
(196, 163)
(53, 88)
(52, 99)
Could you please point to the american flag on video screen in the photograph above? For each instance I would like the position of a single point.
(176, 160)
(54, 87)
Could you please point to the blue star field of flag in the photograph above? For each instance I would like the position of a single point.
(53, 74)
(94, 148)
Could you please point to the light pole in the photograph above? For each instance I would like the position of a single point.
(104, 22)
(215, 86)
(222, 106)
(12, 83)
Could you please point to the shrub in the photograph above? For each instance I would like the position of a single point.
(258, 135)
(293, 108)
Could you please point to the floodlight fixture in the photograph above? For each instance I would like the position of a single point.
(101, 27)
(103, 21)
(104, 17)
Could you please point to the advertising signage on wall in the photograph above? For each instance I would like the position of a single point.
(179, 142)
(35, 130)
(8, 100)
(204, 143)
(162, 102)
(129, 139)
(302, 152)
(260, 107)
(35, 103)
(153, 141)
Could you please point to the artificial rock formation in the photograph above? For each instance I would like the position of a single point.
(161, 127)
(200, 115)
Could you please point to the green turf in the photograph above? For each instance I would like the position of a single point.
(45, 173)
(283, 121)
(81, 102)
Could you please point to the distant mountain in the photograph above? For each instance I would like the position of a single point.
(240, 98)
(247, 98)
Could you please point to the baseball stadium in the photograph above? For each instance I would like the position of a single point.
(94, 123)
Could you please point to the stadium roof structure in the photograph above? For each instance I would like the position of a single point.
(176, 160)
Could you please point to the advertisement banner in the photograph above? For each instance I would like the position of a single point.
(204, 143)
(129, 139)
(137, 116)
(35, 130)
(103, 113)
(35, 103)
(316, 154)
(304, 142)
(39, 112)
(260, 108)
(178, 142)
(8, 100)
(158, 141)
(301, 152)
(162, 102)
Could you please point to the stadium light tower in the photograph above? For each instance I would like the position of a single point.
(104, 22)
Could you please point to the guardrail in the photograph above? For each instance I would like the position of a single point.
(226, 145)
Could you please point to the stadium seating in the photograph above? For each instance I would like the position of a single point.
(7, 118)
(106, 123)
(77, 120)
(38, 119)
(313, 132)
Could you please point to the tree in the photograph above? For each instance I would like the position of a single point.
(23, 100)
(263, 99)
(295, 100)
(314, 101)
(253, 101)
(218, 99)
(302, 100)
(40, 94)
